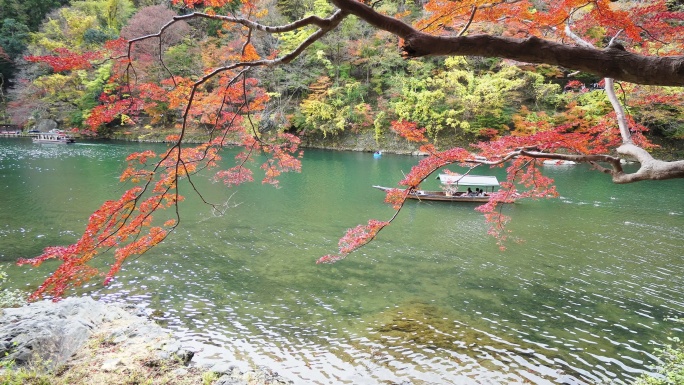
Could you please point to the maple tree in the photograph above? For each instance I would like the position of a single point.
(224, 99)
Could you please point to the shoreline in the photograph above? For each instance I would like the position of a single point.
(81, 340)
(389, 143)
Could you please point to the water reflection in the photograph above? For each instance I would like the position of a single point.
(432, 301)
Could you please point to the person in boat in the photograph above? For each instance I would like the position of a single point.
(470, 192)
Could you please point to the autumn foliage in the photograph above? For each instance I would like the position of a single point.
(66, 60)
(224, 99)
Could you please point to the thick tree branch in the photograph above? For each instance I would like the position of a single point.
(650, 169)
(611, 62)
(609, 87)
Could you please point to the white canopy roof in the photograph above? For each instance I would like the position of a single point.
(469, 180)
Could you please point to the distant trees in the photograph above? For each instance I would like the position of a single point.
(68, 97)
(17, 19)
(13, 39)
(29, 12)
(149, 20)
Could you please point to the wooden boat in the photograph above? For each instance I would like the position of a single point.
(453, 190)
(459, 196)
(53, 138)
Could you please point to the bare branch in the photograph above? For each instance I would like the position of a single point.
(325, 25)
(470, 21)
(610, 87)
(581, 42)
(619, 111)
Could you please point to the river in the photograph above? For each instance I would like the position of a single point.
(584, 297)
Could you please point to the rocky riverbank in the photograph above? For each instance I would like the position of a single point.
(82, 341)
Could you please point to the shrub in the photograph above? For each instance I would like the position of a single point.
(670, 371)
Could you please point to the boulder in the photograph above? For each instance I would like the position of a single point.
(45, 125)
(51, 332)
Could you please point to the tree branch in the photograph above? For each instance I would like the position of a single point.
(609, 88)
(619, 111)
(650, 169)
(470, 21)
(611, 62)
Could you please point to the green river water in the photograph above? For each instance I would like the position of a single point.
(582, 300)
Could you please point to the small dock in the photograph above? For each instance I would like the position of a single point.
(14, 131)
(10, 130)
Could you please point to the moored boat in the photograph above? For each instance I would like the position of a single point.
(53, 138)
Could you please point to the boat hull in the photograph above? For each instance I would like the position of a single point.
(53, 138)
(54, 141)
(441, 196)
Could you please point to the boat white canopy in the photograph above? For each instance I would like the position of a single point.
(469, 180)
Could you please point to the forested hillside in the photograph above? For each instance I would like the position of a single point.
(353, 81)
